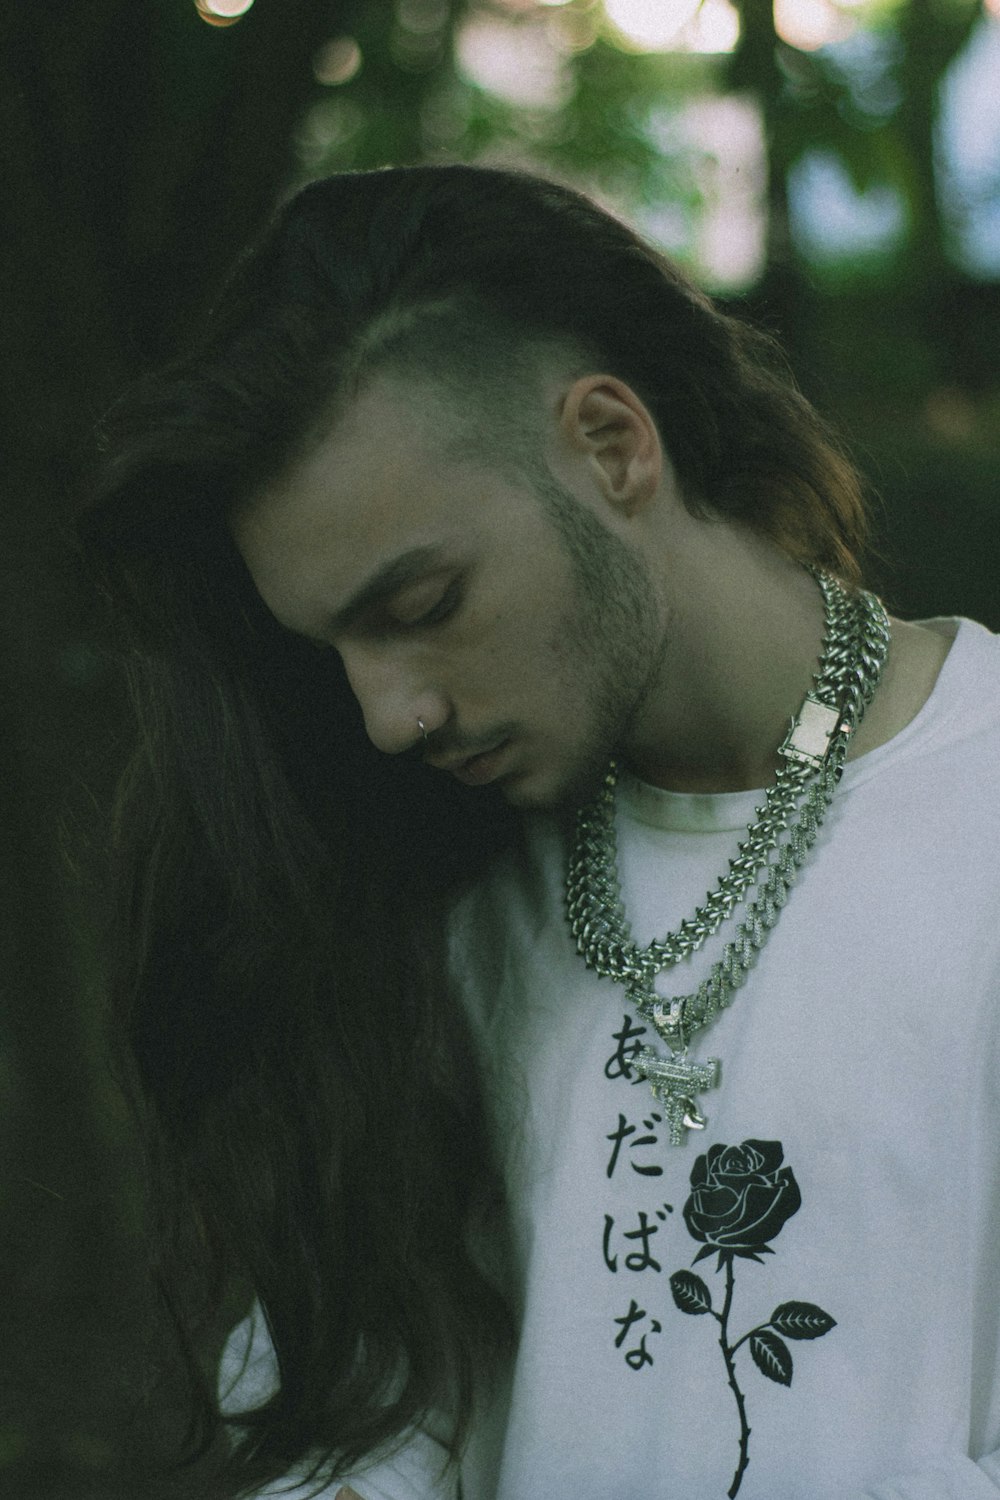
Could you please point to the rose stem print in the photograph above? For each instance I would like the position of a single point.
(741, 1197)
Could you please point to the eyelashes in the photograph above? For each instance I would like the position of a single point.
(445, 607)
(406, 614)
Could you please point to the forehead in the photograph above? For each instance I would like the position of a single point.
(383, 481)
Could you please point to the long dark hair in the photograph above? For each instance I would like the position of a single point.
(303, 1074)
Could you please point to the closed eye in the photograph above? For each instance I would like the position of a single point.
(444, 608)
(415, 613)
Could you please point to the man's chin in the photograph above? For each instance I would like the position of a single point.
(553, 793)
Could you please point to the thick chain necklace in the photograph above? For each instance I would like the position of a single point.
(855, 644)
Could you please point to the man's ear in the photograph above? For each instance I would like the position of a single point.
(603, 419)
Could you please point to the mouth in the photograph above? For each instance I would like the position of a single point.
(475, 770)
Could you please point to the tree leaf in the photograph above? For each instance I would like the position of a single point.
(771, 1356)
(802, 1320)
(690, 1292)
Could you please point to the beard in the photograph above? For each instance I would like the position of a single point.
(610, 645)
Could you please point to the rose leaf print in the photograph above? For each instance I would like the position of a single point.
(741, 1199)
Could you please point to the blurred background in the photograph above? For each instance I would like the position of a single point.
(829, 167)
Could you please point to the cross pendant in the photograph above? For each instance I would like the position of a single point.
(676, 1083)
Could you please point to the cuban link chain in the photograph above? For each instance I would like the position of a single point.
(811, 762)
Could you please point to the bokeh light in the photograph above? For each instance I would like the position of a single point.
(571, 30)
(811, 24)
(222, 12)
(713, 29)
(649, 25)
(968, 146)
(418, 40)
(515, 60)
(722, 138)
(835, 223)
(337, 61)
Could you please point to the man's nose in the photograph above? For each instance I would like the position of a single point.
(399, 707)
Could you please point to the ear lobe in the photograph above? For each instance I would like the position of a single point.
(605, 420)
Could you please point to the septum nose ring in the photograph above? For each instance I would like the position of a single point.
(423, 731)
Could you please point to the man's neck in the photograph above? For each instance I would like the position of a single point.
(744, 638)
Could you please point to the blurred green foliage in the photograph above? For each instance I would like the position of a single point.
(870, 101)
(891, 337)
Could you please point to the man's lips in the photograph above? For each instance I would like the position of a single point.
(472, 770)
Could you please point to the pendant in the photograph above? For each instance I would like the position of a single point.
(675, 1084)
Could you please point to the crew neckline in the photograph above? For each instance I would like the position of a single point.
(714, 812)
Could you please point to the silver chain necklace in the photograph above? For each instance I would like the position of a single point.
(855, 644)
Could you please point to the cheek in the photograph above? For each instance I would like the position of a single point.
(507, 640)
(526, 648)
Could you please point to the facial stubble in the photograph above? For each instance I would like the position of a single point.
(613, 640)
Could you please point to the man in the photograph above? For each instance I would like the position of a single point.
(462, 453)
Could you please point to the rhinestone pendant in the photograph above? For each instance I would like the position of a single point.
(676, 1084)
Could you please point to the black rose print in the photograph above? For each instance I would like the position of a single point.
(741, 1198)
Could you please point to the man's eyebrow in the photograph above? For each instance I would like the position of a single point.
(383, 583)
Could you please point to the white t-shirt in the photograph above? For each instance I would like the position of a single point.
(861, 1058)
(852, 1153)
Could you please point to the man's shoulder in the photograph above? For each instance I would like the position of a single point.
(933, 665)
(967, 689)
(944, 764)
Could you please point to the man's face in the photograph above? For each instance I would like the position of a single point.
(526, 647)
